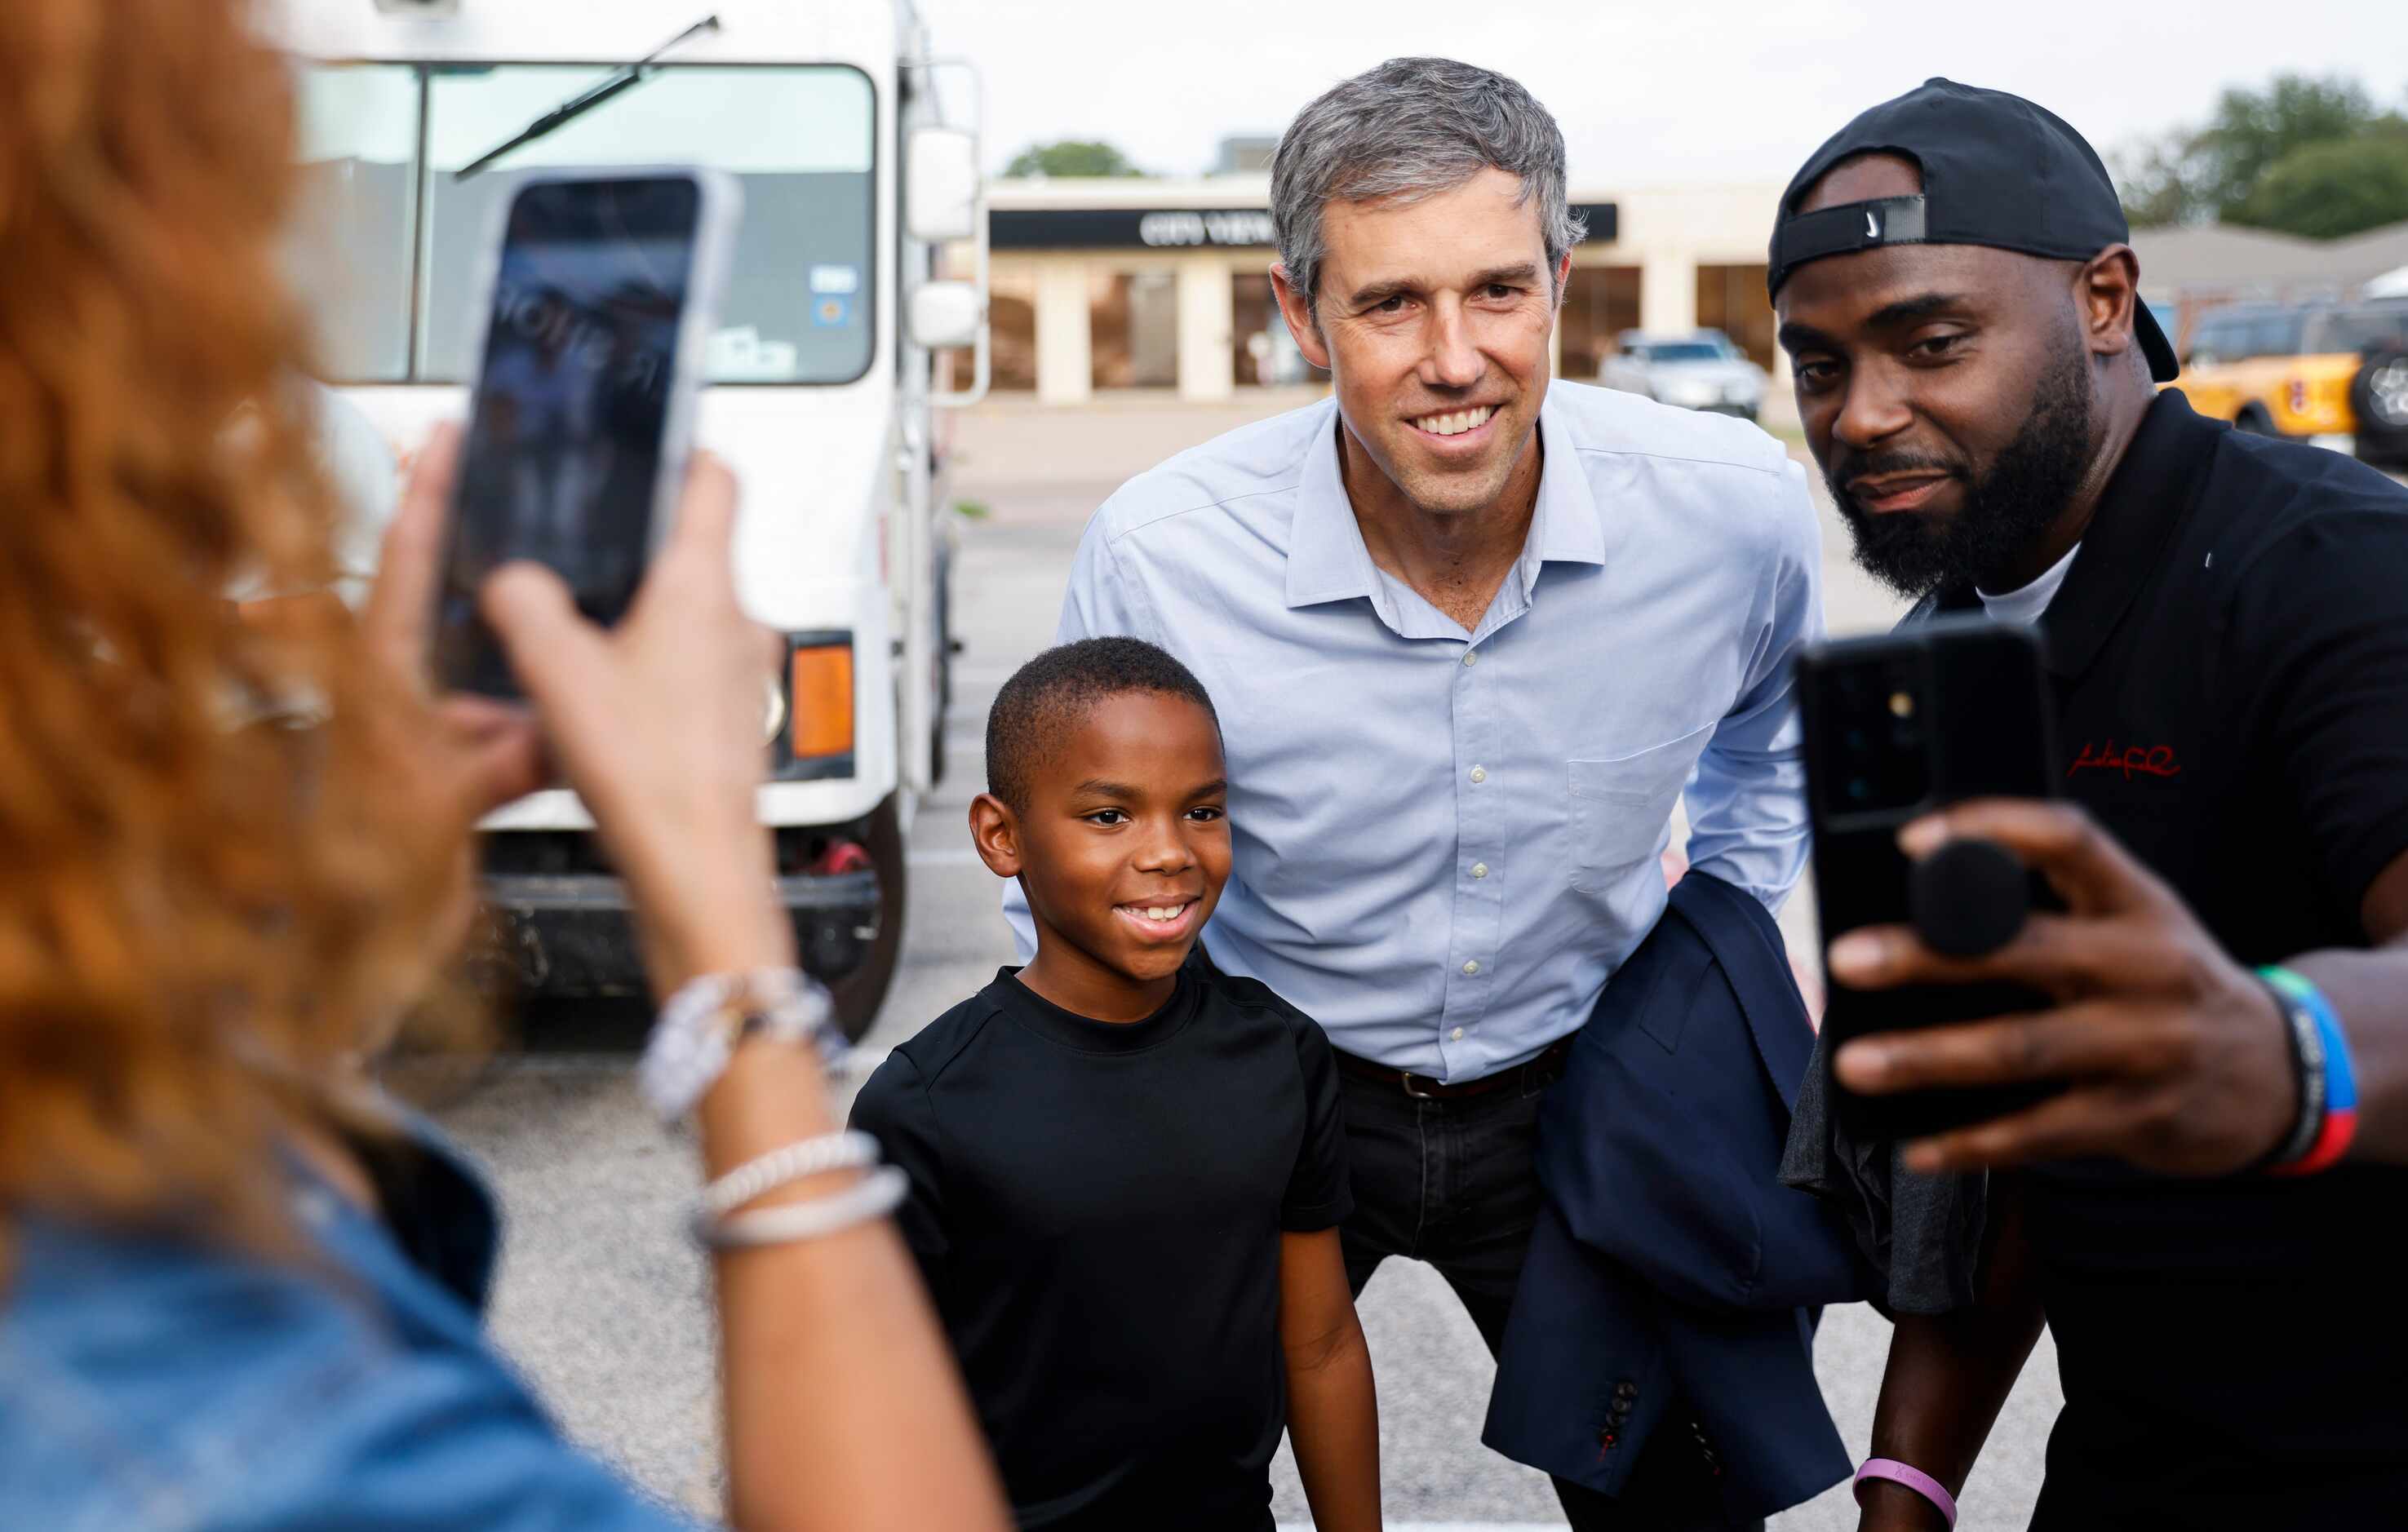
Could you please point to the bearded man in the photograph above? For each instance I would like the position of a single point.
(2226, 622)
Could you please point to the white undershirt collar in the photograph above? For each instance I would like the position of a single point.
(2022, 606)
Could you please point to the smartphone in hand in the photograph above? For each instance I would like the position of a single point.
(1897, 726)
(604, 287)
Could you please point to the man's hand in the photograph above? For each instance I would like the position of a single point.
(2174, 1056)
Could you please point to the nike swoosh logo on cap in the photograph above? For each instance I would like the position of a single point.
(1873, 230)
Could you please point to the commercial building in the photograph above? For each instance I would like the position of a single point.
(2210, 263)
(1165, 284)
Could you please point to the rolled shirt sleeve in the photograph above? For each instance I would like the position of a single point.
(1747, 801)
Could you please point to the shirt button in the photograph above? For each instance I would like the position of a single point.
(1480, 869)
(1456, 1036)
(1479, 774)
(1471, 657)
(1472, 966)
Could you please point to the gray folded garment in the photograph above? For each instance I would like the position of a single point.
(1922, 1233)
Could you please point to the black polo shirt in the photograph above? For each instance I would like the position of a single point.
(2230, 658)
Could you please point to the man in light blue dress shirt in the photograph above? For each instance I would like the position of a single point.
(1472, 634)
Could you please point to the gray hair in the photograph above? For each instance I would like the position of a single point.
(1405, 131)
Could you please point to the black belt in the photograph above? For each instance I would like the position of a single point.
(1421, 1087)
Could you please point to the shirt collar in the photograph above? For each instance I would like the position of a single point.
(2147, 496)
(1327, 557)
(2151, 490)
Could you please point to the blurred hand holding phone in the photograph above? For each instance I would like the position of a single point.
(604, 286)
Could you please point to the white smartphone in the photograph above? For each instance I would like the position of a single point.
(602, 289)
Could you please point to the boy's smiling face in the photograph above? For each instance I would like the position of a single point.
(1121, 848)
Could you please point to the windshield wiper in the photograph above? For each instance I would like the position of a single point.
(579, 105)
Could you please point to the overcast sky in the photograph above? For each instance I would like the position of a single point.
(1665, 93)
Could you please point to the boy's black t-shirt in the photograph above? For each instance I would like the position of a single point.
(1098, 1209)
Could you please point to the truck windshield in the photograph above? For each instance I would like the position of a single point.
(387, 246)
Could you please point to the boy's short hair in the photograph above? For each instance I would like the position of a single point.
(1047, 696)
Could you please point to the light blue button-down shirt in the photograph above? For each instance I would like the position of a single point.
(1446, 842)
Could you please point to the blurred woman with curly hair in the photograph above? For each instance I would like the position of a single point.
(236, 1287)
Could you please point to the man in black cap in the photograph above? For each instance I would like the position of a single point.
(2197, 1210)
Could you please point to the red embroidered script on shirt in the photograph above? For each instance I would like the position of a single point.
(2132, 760)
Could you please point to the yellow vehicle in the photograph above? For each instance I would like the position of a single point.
(2318, 370)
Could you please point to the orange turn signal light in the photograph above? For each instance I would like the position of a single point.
(820, 689)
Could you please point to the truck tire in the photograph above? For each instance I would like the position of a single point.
(2378, 399)
(859, 994)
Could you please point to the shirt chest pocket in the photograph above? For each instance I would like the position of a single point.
(1619, 808)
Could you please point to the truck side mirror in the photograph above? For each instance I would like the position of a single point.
(945, 315)
(941, 185)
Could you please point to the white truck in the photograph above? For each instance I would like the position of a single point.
(826, 378)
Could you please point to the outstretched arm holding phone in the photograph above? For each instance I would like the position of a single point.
(2173, 1053)
(842, 1407)
(2176, 1063)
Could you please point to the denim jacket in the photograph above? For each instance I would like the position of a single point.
(155, 1384)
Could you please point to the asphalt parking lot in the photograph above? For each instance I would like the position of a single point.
(604, 1304)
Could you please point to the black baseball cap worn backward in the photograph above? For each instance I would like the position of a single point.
(1997, 170)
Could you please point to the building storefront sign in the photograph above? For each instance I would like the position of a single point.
(1175, 228)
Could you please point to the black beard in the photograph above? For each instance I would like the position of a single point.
(2006, 509)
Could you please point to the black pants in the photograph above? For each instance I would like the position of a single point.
(1453, 1182)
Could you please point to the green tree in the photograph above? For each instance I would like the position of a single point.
(2211, 172)
(2158, 181)
(2328, 190)
(2251, 130)
(1071, 157)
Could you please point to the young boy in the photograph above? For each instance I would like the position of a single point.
(1127, 1170)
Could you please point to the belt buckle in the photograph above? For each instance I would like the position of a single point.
(1405, 1078)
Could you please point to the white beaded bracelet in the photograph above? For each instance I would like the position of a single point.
(701, 1027)
(873, 1195)
(796, 1161)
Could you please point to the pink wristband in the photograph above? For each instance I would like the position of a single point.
(1913, 1478)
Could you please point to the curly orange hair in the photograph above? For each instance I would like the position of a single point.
(200, 923)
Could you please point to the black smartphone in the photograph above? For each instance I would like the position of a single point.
(1895, 726)
(603, 285)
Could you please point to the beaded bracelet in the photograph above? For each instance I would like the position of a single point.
(874, 1195)
(796, 1161)
(2328, 1076)
(703, 1023)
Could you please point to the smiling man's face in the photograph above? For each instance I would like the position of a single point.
(1946, 389)
(1433, 319)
